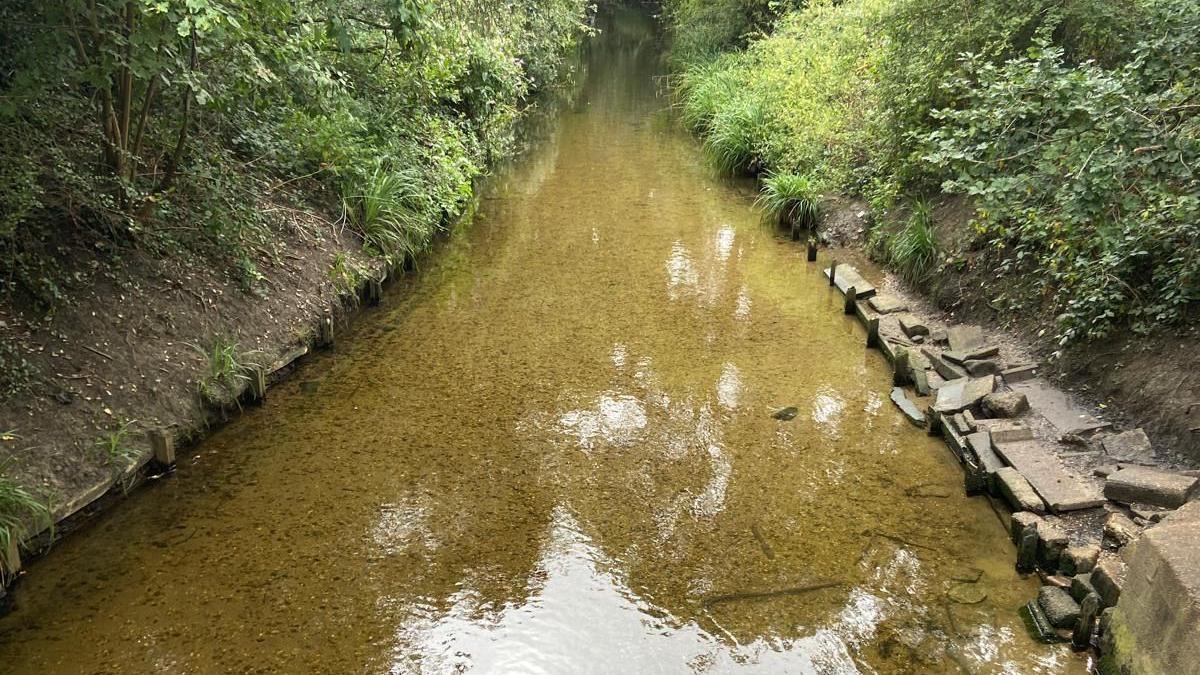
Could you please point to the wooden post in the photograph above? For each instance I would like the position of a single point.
(832, 273)
(1027, 549)
(873, 333)
(12, 556)
(795, 231)
(258, 384)
(374, 291)
(162, 443)
(1081, 639)
(325, 331)
(935, 421)
(900, 366)
(812, 251)
(849, 300)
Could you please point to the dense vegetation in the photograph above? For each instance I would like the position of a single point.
(166, 124)
(172, 129)
(1070, 126)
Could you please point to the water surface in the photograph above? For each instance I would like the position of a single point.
(553, 451)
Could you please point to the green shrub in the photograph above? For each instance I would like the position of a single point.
(790, 199)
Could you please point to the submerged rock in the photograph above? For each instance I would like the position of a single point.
(786, 414)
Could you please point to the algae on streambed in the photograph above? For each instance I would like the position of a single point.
(556, 451)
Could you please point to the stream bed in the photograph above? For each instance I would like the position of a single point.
(554, 449)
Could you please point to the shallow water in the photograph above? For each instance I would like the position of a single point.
(553, 451)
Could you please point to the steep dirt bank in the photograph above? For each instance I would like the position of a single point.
(128, 347)
(1149, 381)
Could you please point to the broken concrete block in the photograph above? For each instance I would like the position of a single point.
(964, 338)
(980, 443)
(1060, 608)
(1119, 530)
(1108, 578)
(1105, 470)
(945, 368)
(957, 358)
(1149, 513)
(847, 277)
(1006, 431)
(1137, 484)
(1005, 404)
(1061, 489)
(1129, 446)
(1052, 541)
(1019, 493)
(979, 368)
(1020, 521)
(887, 304)
(912, 326)
(965, 393)
(910, 410)
(982, 353)
(1078, 559)
(1081, 586)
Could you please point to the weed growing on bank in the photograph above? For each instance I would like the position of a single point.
(21, 513)
(1071, 127)
(787, 199)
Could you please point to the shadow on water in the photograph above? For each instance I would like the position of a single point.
(554, 451)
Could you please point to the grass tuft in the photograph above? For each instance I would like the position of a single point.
(389, 210)
(227, 370)
(913, 250)
(790, 199)
(731, 142)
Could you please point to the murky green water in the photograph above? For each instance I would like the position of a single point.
(553, 452)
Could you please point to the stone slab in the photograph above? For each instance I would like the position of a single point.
(1019, 373)
(906, 406)
(963, 393)
(1019, 493)
(847, 277)
(1058, 409)
(1141, 485)
(964, 338)
(887, 304)
(912, 326)
(980, 443)
(1005, 431)
(1129, 446)
(1061, 490)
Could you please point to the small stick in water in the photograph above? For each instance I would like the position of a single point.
(762, 541)
(765, 595)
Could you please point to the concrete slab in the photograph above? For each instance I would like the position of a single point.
(942, 365)
(887, 304)
(1005, 431)
(1141, 485)
(1129, 446)
(964, 338)
(1061, 490)
(912, 326)
(1019, 493)
(1057, 408)
(963, 393)
(910, 410)
(847, 277)
(980, 443)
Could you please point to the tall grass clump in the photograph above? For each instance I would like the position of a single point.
(790, 199)
(704, 89)
(20, 513)
(732, 138)
(913, 250)
(227, 370)
(389, 210)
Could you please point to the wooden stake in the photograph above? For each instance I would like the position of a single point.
(258, 384)
(1081, 639)
(795, 232)
(812, 251)
(1027, 549)
(849, 300)
(162, 443)
(833, 273)
(900, 376)
(873, 333)
(374, 292)
(325, 331)
(12, 556)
